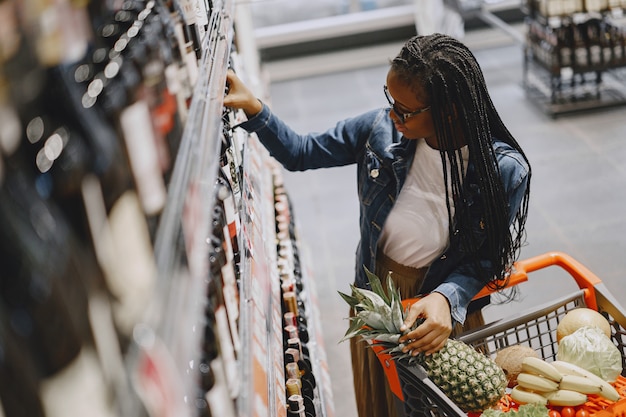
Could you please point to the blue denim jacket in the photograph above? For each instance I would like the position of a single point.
(383, 157)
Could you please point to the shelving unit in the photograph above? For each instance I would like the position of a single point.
(574, 55)
(254, 367)
(168, 342)
(574, 51)
(229, 327)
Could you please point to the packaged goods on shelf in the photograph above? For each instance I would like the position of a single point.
(144, 253)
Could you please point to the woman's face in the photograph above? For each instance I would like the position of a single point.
(405, 101)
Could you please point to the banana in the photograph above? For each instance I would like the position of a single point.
(537, 383)
(568, 368)
(580, 384)
(606, 390)
(539, 366)
(565, 397)
(522, 396)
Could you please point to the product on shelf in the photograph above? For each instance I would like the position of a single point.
(300, 381)
(72, 76)
(136, 281)
(574, 55)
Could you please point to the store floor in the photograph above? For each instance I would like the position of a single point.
(577, 199)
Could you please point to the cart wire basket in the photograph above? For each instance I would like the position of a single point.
(534, 327)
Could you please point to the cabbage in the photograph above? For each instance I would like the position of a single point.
(589, 348)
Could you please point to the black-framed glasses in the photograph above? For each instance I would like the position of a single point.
(402, 116)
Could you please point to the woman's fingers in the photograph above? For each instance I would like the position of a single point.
(433, 339)
(414, 313)
(239, 96)
(431, 335)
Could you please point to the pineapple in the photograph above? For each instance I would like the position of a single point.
(467, 377)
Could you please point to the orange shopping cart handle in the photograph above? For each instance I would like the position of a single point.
(585, 279)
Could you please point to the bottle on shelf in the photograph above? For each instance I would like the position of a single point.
(218, 348)
(606, 45)
(19, 378)
(228, 200)
(188, 9)
(227, 279)
(618, 39)
(593, 38)
(133, 119)
(187, 35)
(565, 46)
(295, 406)
(581, 54)
(45, 294)
(68, 152)
(230, 160)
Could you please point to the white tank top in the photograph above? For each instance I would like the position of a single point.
(416, 231)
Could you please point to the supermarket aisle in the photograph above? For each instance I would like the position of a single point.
(577, 200)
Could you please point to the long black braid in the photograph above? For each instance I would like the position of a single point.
(444, 73)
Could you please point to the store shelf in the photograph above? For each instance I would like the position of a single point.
(559, 95)
(173, 307)
(251, 365)
(575, 61)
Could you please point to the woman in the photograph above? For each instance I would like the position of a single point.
(443, 189)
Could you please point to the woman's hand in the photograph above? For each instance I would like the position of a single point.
(431, 335)
(240, 97)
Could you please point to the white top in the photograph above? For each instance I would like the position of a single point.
(416, 230)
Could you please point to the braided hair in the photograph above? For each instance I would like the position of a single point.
(443, 72)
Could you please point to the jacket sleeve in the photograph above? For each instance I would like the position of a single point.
(459, 287)
(337, 146)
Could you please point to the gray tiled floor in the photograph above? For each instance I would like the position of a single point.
(577, 202)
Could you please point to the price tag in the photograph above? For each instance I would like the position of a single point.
(157, 381)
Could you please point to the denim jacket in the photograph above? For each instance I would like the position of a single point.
(383, 157)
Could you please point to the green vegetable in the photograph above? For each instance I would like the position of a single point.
(525, 410)
(589, 348)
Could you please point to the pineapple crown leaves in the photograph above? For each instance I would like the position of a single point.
(357, 327)
(376, 311)
(377, 286)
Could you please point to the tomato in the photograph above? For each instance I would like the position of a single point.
(568, 412)
(581, 412)
(554, 413)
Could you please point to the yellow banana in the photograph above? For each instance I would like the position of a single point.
(565, 397)
(606, 390)
(539, 366)
(568, 368)
(537, 383)
(580, 384)
(523, 396)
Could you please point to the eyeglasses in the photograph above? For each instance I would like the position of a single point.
(402, 116)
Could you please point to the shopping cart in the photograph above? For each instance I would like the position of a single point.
(535, 327)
